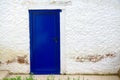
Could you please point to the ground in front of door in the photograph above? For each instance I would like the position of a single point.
(70, 77)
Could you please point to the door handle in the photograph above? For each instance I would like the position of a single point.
(55, 39)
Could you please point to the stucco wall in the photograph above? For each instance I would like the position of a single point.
(90, 32)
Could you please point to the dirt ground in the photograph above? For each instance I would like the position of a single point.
(71, 77)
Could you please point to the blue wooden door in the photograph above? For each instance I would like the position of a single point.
(45, 41)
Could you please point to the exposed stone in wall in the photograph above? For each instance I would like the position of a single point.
(8, 56)
(93, 58)
(63, 3)
(14, 60)
(20, 59)
(0, 63)
(10, 61)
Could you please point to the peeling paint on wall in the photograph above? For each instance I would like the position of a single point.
(61, 3)
(9, 59)
(93, 58)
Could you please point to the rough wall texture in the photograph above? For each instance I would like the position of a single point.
(92, 30)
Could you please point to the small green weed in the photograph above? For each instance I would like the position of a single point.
(50, 78)
(19, 78)
(16, 78)
(31, 78)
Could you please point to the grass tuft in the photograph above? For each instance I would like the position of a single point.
(31, 78)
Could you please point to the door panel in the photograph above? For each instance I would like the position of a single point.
(45, 41)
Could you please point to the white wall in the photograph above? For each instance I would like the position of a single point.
(93, 27)
(88, 27)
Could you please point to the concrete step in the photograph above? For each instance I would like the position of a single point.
(3, 74)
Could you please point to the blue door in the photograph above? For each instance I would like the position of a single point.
(45, 41)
